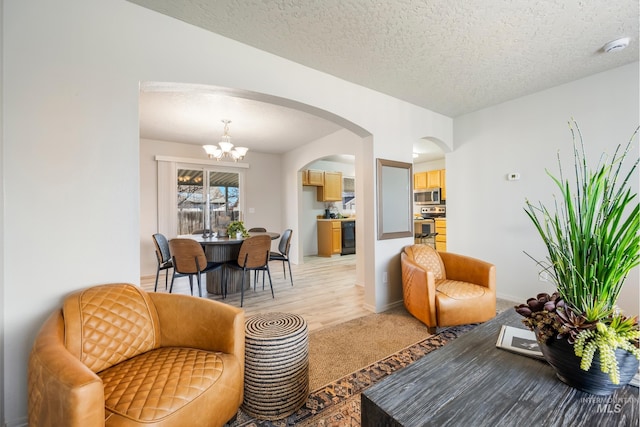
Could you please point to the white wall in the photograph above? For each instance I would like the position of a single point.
(2, 208)
(429, 166)
(524, 135)
(71, 147)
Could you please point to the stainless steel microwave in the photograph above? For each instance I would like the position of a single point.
(429, 196)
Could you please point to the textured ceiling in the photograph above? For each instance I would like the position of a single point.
(449, 56)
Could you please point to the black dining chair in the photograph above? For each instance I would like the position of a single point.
(163, 254)
(189, 260)
(257, 229)
(254, 255)
(283, 252)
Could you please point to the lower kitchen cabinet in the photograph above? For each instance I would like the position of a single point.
(329, 238)
(441, 237)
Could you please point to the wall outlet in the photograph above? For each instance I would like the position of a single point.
(543, 276)
(513, 176)
(384, 277)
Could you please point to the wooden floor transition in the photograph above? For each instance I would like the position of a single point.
(324, 291)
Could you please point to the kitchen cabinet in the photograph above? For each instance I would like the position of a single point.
(443, 185)
(331, 191)
(441, 237)
(312, 177)
(428, 179)
(433, 179)
(419, 181)
(329, 237)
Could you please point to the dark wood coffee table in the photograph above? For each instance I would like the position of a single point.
(470, 382)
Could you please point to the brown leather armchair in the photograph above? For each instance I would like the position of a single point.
(447, 289)
(115, 355)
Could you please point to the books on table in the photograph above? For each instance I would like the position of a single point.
(518, 340)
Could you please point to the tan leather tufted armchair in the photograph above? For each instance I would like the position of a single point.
(447, 289)
(115, 355)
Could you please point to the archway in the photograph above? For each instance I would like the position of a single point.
(349, 138)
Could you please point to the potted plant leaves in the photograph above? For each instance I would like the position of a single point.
(593, 241)
(236, 229)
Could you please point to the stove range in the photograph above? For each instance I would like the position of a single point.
(430, 212)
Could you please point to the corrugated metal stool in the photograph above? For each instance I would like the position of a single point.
(276, 378)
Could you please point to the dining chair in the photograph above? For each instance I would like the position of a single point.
(163, 254)
(254, 255)
(189, 260)
(255, 273)
(283, 252)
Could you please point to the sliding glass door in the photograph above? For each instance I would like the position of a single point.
(207, 199)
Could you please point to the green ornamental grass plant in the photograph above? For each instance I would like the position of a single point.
(593, 242)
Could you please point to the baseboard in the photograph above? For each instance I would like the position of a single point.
(508, 297)
(20, 422)
(385, 307)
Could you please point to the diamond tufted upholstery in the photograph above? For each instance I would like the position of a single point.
(115, 355)
(447, 289)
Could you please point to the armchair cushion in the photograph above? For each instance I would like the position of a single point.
(455, 289)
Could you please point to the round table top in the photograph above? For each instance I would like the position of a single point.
(226, 240)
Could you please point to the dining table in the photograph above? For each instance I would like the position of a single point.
(223, 249)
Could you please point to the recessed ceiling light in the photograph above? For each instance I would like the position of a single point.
(616, 45)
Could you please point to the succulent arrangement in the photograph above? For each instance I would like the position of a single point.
(593, 242)
(237, 226)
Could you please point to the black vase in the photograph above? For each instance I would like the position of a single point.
(560, 355)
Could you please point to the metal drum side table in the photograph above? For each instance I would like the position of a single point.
(276, 378)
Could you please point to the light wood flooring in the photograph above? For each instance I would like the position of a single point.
(323, 292)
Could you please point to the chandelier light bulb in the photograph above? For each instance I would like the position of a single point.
(225, 148)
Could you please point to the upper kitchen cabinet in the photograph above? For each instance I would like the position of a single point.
(443, 185)
(420, 181)
(433, 179)
(312, 177)
(331, 191)
(428, 179)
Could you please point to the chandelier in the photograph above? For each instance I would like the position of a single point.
(225, 148)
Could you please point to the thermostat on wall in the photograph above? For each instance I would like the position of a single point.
(513, 176)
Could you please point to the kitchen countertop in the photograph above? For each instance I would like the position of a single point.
(336, 219)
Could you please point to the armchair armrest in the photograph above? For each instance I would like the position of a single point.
(187, 321)
(468, 269)
(62, 390)
(419, 290)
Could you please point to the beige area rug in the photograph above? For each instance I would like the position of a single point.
(339, 350)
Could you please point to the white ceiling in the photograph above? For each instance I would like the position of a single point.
(193, 114)
(450, 56)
